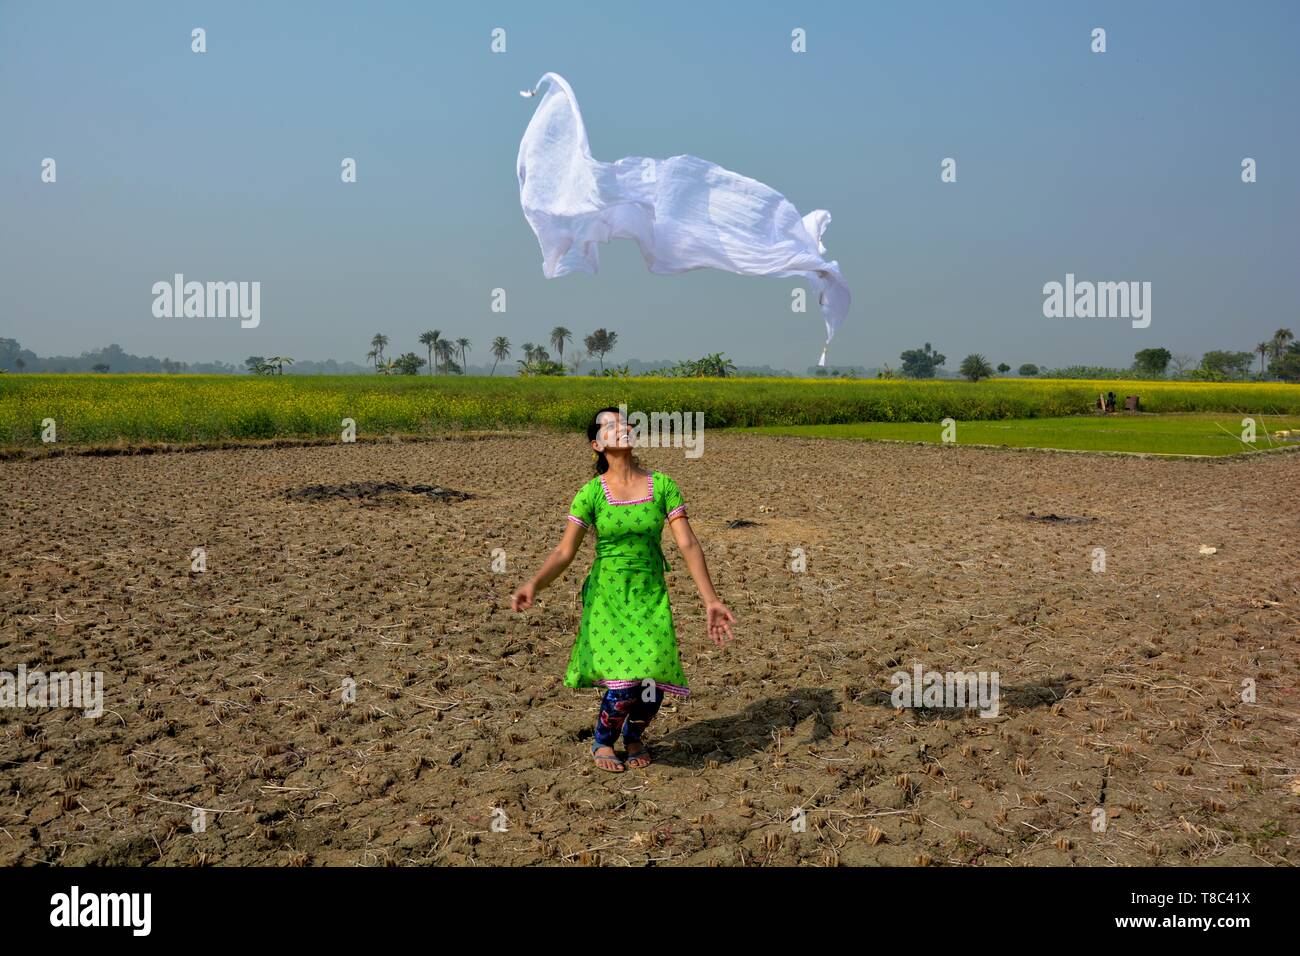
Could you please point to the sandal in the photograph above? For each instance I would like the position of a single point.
(643, 755)
(613, 757)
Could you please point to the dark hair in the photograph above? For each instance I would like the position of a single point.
(593, 430)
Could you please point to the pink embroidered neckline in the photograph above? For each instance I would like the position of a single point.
(650, 492)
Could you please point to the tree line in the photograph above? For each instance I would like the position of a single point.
(1217, 365)
(442, 353)
(1278, 360)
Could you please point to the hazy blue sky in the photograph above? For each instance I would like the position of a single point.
(225, 166)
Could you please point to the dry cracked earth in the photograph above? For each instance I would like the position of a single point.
(1147, 711)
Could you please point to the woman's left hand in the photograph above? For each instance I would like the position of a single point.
(720, 621)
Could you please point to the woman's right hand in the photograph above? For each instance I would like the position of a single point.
(522, 599)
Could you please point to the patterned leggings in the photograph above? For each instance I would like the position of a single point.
(626, 709)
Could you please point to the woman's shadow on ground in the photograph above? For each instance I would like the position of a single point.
(753, 730)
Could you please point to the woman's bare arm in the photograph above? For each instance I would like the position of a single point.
(693, 554)
(719, 618)
(556, 563)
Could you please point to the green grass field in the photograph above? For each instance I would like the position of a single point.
(1173, 434)
(138, 409)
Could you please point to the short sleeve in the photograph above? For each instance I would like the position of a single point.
(673, 504)
(583, 509)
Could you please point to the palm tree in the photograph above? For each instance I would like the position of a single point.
(1263, 349)
(443, 348)
(560, 335)
(975, 367)
(1280, 339)
(387, 368)
(464, 346)
(278, 362)
(500, 350)
(427, 339)
(379, 343)
(601, 343)
(529, 349)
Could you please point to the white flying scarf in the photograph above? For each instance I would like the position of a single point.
(684, 213)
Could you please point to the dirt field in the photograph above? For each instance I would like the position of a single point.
(1121, 690)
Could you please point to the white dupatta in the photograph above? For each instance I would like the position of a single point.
(683, 212)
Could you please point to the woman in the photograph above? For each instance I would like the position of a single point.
(626, 642)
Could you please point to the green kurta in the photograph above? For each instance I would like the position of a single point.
(627, 634)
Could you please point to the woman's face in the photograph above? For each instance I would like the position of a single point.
(614, 432)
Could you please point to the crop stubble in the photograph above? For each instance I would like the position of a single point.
(1120, 690)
